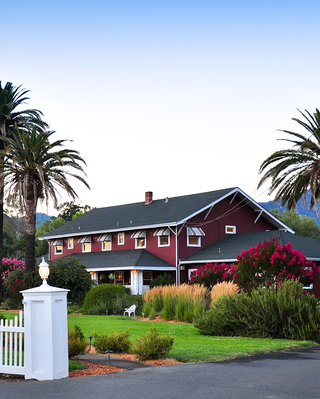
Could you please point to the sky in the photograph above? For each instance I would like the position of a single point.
(174, 97)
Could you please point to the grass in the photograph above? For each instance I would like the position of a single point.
(189, 344)
(76, 365)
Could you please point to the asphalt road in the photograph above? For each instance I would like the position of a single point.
(285, 375)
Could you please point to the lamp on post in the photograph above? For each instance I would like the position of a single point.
(44, 271)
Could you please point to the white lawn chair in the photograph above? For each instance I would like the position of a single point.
(130, 310)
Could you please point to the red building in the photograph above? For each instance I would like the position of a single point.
(134, 243)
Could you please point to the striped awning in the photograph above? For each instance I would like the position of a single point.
(195, 231)
(162, 232)
(56, 242)
(84, 239)
(105, 237)
(138, 234)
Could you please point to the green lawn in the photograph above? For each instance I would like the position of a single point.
(189, 344)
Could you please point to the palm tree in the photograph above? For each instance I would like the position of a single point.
(34, 169)
(294, 172)
(11, 98)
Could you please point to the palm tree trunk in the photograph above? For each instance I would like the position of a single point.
(30, 220)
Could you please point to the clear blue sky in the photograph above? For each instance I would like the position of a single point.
(176, 97)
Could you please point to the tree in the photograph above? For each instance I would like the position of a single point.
(295, 171)
(270, 263)
(42, 246)
(34, 169)
(11, 98)
(304, 226)
(70, 210)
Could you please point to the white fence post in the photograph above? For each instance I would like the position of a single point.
(46, 333)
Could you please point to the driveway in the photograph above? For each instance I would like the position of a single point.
(281, 375)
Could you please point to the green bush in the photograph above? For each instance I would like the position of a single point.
(111, 298)
(153, 345)
(163, 279)
(77, 344)
(285, 313)
(115, 341)
(71, 274)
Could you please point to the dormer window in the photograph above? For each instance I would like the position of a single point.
(194, 235)
(106, 240)
(86, 243)
(140, 239)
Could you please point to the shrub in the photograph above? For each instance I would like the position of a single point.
(115, 341)
(71, 274)
(77, 344)
(221, 289)
(285, 313)
(182, 303)
(270, 263)
(210, 274)
(163, 279)
(102, 293)
(153, 345)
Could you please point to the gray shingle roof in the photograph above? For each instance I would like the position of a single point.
(162, 212)
(229, 247)
(130, 216)
(137, 258)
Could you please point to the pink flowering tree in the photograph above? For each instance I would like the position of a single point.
(12, 274)
(212, 274)
(270, 263)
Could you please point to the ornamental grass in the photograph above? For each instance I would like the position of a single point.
(221, 289)
(182, 303)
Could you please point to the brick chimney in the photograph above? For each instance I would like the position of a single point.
(148, 197)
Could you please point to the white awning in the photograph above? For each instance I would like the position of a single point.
(162, 232)
(105, 237)
(84, 239)
(138, 234)
(57, 242)
(195, 231)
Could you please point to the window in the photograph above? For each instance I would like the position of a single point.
(163, 235)
(58, 249)
(86, 247)
(106, 245)
(70, 243)
(140, 239)
(194, 241)
(120, 238)
(147, 278)
(86, 243)
(141, 242)
(194, 235)
(164, 241)
(230, 229)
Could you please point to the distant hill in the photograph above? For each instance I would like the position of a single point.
(41, 218)
(299, 208)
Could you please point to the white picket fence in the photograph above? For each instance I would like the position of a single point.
(12, 341)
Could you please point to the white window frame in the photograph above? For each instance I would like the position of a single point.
(233, 228)
(55, 249)
(106, 249)
(189, 273)
(136, 242)
(83, 246)
(121, 243)
(194, 245)
(70, 243)
(164, 245)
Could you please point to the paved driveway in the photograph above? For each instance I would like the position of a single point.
(285, 375)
